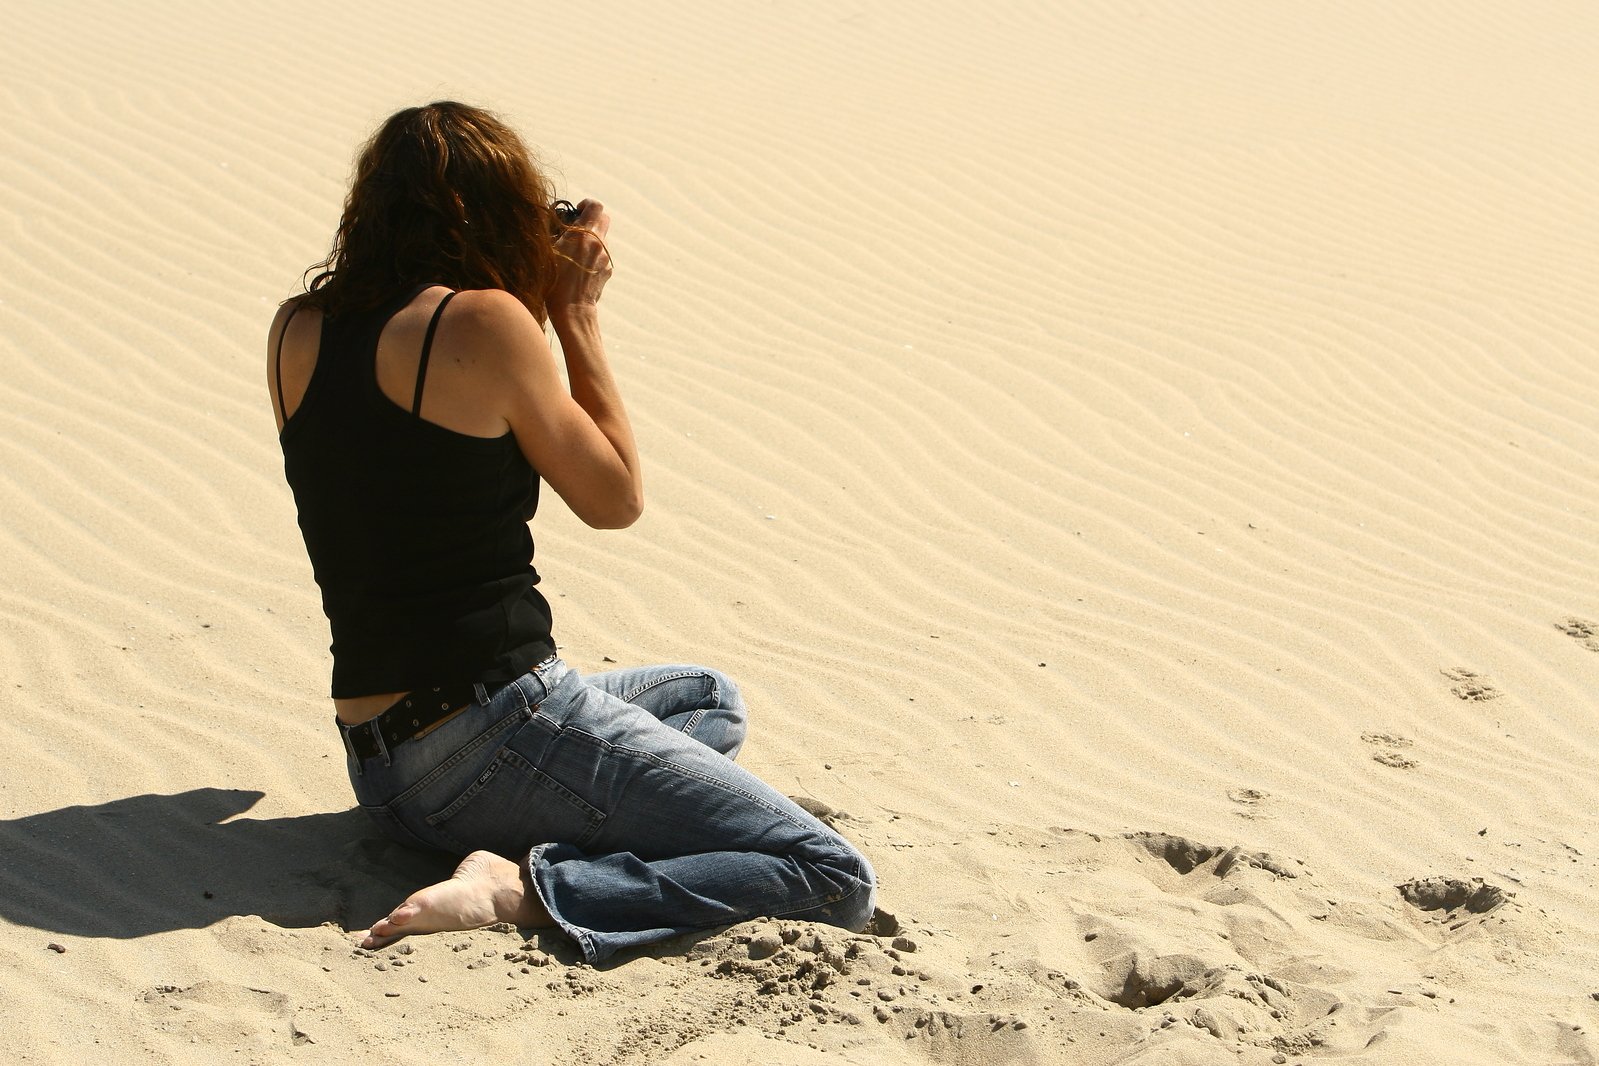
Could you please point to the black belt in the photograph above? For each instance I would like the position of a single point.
(410, 717)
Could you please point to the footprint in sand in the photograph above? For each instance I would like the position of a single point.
(211, 1013)
(1251, 803)
(1451, 902)
(1185, 856)
(1582, 631)
(1470, 685)
(1390, 753)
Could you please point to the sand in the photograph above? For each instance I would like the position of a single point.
(1139, 460)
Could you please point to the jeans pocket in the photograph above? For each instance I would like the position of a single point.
(514, 805)
(390, 825)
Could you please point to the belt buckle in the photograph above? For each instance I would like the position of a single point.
(377, 743)
(352, 735)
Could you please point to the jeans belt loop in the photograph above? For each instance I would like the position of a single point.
(383, 747)
(349, 749)
(482, 693)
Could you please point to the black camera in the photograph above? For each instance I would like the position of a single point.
(566, 213)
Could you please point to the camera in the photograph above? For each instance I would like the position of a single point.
(566, 213)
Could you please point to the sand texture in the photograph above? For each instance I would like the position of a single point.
(1140, 461)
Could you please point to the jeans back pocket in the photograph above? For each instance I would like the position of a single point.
(513, 805)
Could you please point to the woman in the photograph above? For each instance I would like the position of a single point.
(419, 407)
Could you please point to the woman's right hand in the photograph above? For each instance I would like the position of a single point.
(583, 265)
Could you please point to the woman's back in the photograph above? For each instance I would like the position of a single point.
(414, 517)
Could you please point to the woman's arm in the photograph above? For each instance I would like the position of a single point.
(573, 306)
(580, 442)
(596, 473)
(594, 389)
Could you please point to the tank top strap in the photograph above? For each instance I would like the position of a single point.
(427, 349)
(277, 363)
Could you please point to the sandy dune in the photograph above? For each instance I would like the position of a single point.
(1139, 460)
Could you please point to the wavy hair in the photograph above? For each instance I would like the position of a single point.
(445, 193)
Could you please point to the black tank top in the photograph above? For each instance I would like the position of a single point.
(417, 534)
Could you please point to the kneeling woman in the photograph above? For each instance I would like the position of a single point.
(419, 406)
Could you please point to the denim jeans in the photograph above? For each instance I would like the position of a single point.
(621, 794)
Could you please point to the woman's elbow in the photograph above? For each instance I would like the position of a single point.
(618, 513)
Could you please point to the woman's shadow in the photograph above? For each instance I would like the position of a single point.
(153, 863)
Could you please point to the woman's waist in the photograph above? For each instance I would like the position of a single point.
(355, 710)
(370, 680)
(420, 712)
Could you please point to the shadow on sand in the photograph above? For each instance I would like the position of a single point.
(153, 863)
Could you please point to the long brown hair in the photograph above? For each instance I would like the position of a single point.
(444, 193)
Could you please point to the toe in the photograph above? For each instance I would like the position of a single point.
(387, 930)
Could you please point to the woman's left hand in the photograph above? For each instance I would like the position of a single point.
(585, 263)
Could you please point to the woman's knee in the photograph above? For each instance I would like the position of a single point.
(724, 690)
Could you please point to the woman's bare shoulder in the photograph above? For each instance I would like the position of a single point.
(292, 346)
(494, 327)
(490, 309)
(294, 307)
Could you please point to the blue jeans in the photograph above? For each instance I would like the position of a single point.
(621, 792)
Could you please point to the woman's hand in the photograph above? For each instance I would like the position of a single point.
(584, 265)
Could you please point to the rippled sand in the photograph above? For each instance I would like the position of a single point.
(1140, 461)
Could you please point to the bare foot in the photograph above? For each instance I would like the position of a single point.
(486, 888)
